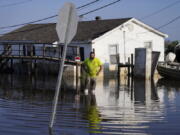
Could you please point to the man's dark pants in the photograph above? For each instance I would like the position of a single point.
(90, 83)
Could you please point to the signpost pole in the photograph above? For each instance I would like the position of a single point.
(58, 85)
(68, 33)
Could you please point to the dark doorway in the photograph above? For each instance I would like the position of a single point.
(82, 53)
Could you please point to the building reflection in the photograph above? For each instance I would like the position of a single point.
(118, 106)
(133, 90)
(145, 91)
(129, 101)
(20, 87)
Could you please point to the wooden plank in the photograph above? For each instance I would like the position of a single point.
(37, 58)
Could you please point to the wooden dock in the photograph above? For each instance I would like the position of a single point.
(129, 65)
(11, 52)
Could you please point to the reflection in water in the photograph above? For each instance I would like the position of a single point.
(139, 90)
(92, 113)
(119, 106)
(171, 88)
(135, 105)
(23, 87)
(144, 90)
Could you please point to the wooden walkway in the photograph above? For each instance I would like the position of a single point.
(36, 58)
(24, 51)
(129, 65)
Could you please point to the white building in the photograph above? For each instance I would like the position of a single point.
(108, 38)
(122, 39)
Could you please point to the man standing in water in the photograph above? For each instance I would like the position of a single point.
(92, 67)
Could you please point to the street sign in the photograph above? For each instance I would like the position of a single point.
(77, 58)
(66, 26)
(66, 29)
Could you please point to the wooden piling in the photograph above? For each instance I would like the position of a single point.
(128, 66)
(119, 71)
(77, 70)
(118, 61)
(43, 50)
(19, 50)
(77, 74)
(11, 65)
(132, 64)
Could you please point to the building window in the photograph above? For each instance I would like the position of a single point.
(148, 44)
(113, 53)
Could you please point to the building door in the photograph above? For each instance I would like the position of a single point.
(82, 53)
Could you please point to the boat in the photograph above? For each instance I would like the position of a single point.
(169, 69)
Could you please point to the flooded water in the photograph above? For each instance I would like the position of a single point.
(118, 107)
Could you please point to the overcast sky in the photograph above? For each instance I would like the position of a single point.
(155, 13)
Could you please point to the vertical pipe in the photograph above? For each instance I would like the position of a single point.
(124, 37)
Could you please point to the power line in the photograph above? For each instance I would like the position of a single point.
(88, 4)
(160, 10)
(173, 20)
(164, 25)
(50, 17)
(29, 22)
(39, 27)
(112, 3)
(14, 4)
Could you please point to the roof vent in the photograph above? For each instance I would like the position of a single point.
(97, 18)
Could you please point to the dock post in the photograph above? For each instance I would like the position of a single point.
(59, 48)
(77, 74)
(77, 69)
(132, 64)
(128, 66)
(118, 73)
(43, 50)
(118, 61)
(148, 63)
(19, 50)
(32, 64)
(11, 65)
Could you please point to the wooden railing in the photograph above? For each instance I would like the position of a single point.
(37, 51)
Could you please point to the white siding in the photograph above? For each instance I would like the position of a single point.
(134, 38)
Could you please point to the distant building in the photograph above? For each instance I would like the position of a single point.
(108, 38)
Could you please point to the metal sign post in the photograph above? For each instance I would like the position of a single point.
(66, 29)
